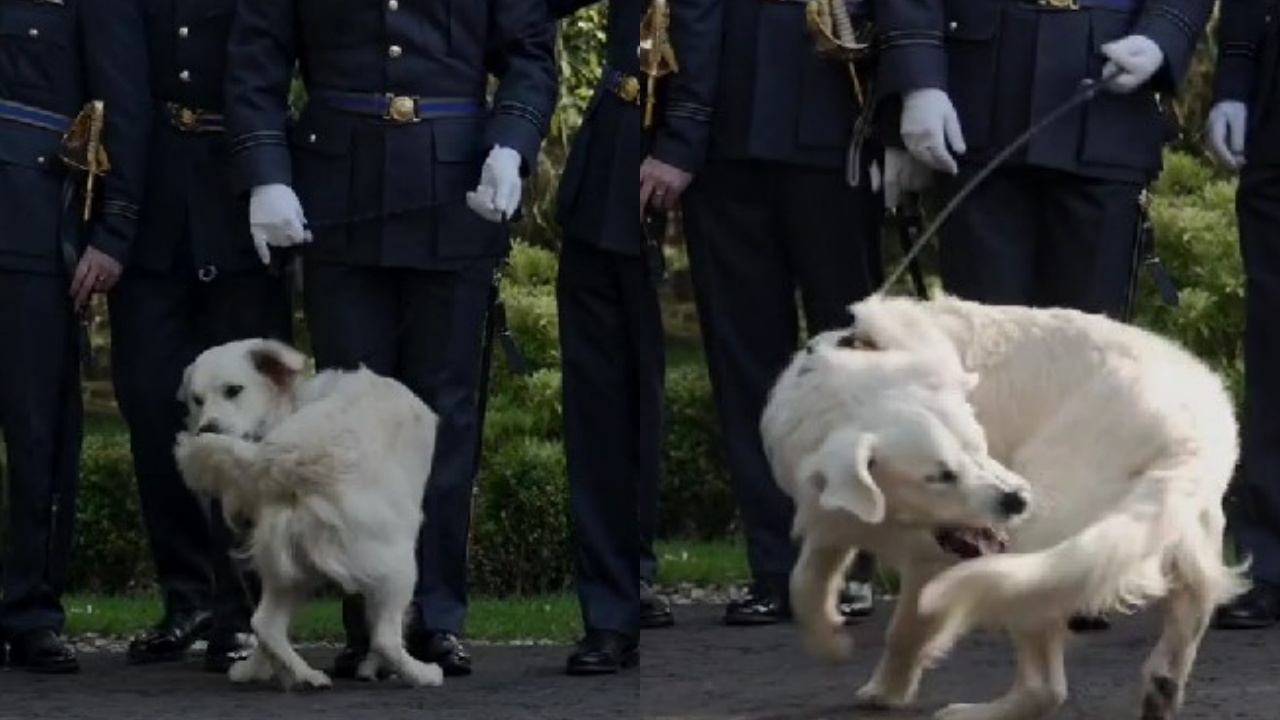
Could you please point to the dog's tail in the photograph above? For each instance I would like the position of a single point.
(1157, 536)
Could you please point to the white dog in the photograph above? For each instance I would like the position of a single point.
(1128, 443)
(329, 472)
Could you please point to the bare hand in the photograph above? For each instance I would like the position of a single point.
(96, 272)
(661, 184)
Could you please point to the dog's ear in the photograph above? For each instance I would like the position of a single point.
(841, 473)
(278, 362)
(184, 387)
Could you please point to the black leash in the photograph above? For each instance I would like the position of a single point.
(1089, 89)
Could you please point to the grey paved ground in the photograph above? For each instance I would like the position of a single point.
(699, 670)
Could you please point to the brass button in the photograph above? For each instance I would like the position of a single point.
(183, 31)
(393, 5)
(34, 32)
(184, 76)
(394, 51)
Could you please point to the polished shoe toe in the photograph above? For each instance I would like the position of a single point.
(41, 651)
(654, 611)
(1088, 623)
(443, 649)
(1257, 609)
(603, 653)
(758, 607)
(225, 650)
(857, 601)
(170, 639)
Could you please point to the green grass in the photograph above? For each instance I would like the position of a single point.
(551, 618)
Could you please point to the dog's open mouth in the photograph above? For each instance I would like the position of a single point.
(972, 542)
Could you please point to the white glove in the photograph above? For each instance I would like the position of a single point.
(498, 194)
(275, 218)
(929, 126)
(903, 174)
(1138, 58)
(1226, 132)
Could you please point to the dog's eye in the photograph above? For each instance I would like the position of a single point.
(946, 477)
(231, 392)
(197, 400)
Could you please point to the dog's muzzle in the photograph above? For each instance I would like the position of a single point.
(967, 543)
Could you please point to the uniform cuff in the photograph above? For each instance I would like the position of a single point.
(1234, 76)
(1176, 35)
(911, 60)
(521, 128)
(261, 158)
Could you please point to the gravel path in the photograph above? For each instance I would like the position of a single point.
(698, 670)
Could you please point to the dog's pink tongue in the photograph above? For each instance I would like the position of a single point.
(969, 543)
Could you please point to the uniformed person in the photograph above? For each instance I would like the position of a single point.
(773, 214)
(611, 334)
(56, 57)
(1243, 132)
(193, 281)
(397, 178)
(1057, 224)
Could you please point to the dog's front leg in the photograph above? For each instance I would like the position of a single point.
(1040, 687)
(815, 583)
(270, 623)
(907, 644)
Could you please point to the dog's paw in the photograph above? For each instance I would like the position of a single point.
(420, 674)
(829, 644)
(875, 696)
(369, 667)
(313, 679)
(976, 711)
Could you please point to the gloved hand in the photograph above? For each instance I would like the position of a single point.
(498, 194)
(1225, 129)
(929, 126)
(1138, 58)
(275, 218)
(903, 174)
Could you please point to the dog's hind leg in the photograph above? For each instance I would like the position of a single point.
(907, 651)
(815, 583)
(385, 604)
(1040, 687)
(270, 623)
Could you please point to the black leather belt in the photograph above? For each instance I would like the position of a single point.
(398, 108)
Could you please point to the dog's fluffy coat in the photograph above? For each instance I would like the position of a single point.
(329, 473)
(1127, 441)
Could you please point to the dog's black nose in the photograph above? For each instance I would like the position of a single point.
(1013, 503)
(209, 428)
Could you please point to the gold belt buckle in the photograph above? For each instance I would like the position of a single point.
(402, 109)
(1060, 4)
(629, 89)
(185, 118)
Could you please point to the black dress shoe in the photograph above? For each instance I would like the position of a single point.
(225, 650)
(1088, 623)
(443, 649)
(758, 607)
(857, 600)
(40, 651)
(603, 653)
(654, 611)
(171, 638)
(1257, 609)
